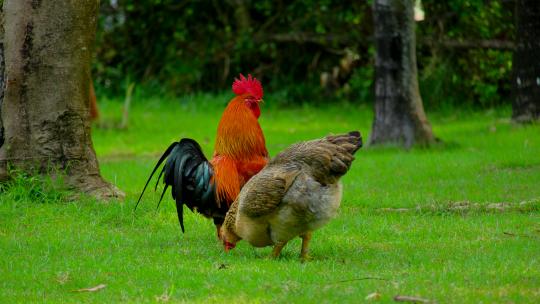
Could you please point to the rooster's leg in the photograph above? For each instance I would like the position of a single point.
(277, 249)
(218, 229)
(304, 254)
(218, 222)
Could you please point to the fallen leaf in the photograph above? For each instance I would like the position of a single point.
(62, 277)
(91, 289)
(373, 296)
(223, 266)
(399, 298)
(165, 297)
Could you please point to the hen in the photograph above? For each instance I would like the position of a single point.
(298, 192)
(209, 187)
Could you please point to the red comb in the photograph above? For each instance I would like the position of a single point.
(248, 85)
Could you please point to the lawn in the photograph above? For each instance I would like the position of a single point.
(457, 223)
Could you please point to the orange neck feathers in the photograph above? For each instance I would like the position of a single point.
(240, 150)
(239, 135)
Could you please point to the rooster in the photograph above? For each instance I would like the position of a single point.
(298, 192)
(210, 186)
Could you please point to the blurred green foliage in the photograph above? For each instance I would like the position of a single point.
(175, 47)
(464, 74)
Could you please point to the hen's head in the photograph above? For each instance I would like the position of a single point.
(250, 91)
(229, 238)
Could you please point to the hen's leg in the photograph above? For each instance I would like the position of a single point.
(277, 249)
(304, 253)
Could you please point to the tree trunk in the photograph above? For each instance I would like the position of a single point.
(241, 15)
(45, 108)
(399, 113)
(526, 62)
(3, 175)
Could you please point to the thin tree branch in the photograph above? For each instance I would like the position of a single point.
(470, 44)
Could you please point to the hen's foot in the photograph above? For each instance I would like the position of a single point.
(304, 253)
(277, 249)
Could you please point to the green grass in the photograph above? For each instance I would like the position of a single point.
(50, 247)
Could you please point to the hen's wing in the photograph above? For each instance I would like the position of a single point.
(264, 192)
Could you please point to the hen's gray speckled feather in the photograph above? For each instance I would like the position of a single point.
(298, 191)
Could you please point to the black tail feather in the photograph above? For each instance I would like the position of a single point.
(161, 159)
(189, 174)
(180, 212)
(159, 177)
(161, 197)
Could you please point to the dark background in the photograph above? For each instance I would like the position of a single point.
(464, 49)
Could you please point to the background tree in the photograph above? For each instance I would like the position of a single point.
(399, 113)
(2, 69)
(526, 62)
(464, 49)
(45, 108)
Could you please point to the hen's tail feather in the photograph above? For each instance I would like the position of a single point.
(161, 159)
(351, 141)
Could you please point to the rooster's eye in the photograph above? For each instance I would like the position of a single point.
(251, 102)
